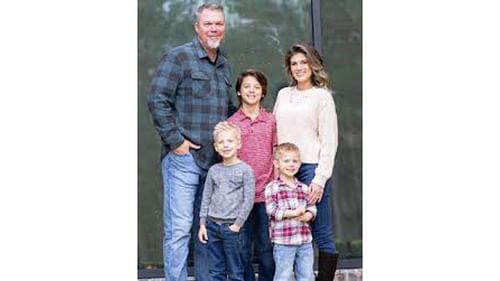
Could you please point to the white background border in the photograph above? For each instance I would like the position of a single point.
(68, 114)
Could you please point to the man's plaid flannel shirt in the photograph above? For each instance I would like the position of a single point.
(189, 96)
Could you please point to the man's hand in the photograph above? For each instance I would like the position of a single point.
(316, 193)
(235, 227)
(184, 147)
(202, 234)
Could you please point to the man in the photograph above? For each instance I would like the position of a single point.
(189, 95)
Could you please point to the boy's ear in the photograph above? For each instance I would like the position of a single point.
(275, 163)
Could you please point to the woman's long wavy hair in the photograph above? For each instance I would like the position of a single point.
(319, 76)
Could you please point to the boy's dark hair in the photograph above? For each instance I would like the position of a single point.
(284, 147)
(261, 78)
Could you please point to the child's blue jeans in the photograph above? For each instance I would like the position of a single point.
(290, 258)
(225, 252)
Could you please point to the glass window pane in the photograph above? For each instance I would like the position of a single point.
(258, 33)
(341, 23)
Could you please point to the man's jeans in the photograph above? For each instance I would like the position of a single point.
(322, 228)
(224, 252)
(298, 258)
(257, 229)
(183, 182)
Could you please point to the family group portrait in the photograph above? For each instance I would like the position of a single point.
(250, 140)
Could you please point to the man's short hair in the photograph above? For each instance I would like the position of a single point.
(213, 6)
(225, 126)
(284, 147)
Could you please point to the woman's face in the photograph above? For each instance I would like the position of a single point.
(300, 68)
(250, 91)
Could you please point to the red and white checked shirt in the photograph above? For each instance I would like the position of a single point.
(281, 197)
(258, 138)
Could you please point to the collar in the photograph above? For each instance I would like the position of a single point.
(201, 53)
(262, 117)
(281, 182)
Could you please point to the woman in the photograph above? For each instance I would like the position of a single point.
(305, 115)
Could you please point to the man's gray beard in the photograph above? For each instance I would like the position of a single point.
(213, 44)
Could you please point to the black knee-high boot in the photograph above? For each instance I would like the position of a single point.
(327, 265)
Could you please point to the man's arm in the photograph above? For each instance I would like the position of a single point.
(161, 101)
(231, 108)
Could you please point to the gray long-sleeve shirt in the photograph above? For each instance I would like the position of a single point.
(228, 194)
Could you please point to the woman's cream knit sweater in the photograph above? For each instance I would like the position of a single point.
(308, 119)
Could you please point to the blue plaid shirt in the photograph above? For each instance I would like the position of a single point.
(189, 96)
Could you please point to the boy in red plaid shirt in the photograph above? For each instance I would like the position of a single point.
(289, 217)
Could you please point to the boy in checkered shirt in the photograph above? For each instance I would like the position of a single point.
(289, 217)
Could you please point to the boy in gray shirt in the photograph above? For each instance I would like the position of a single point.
(228, 198)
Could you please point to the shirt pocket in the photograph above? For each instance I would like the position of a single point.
(236, 178)
(201, 85)
(236, 187)
(236, 183)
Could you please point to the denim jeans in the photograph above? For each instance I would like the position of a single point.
(257, 230)
(290, 258)
(225, 255)
(322, 228)
(183, 182)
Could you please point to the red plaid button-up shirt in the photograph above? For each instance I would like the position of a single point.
(281, 197)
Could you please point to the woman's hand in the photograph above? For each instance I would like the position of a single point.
(316, 193)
